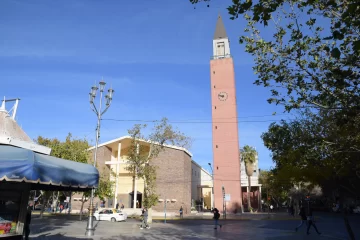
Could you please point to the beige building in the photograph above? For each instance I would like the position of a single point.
(179, 179)
(201, 187)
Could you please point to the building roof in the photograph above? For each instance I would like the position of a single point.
(220, 31)
(202, 169)
(12, 134)
(142, 140)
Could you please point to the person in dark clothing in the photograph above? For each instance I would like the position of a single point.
(216, 218)
(303, 217)
(292, 210)
(27, 221)
(311, 222)
(117, 206)
(181, 212)
(144, 221)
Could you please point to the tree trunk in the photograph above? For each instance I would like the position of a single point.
(55, 201)
(248, 194)
(69, 204)
(150, 215)
(44, 203)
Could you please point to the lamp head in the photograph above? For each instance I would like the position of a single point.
(108, 100)
(94, 90)
(91, 98)
(110, 93)
(209, 164)
(102, 85)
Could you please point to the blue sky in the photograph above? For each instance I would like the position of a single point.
(155, 54)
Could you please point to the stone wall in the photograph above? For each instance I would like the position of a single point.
(173, 179)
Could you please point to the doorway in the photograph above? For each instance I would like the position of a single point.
(138, 199)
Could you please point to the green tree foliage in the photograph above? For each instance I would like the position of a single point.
(145, 148)
(312, 59)
(71, 149)
(315, 149)
(275, 185)
(75, 149)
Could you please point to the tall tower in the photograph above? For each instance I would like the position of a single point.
(225, 124)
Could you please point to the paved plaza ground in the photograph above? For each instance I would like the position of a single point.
(246, 227)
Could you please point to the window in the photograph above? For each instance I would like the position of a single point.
(215, 127)
(254, 170)
(220, 50)
(215, 107)
(213, 72)
(216, 146)
(214, 86)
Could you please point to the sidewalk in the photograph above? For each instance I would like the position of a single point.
(200, 216)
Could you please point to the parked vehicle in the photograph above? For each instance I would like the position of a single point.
(357, 210)
(110, 214)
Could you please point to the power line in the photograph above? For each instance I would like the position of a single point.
(191, 122)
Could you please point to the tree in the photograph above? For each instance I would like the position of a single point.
(76, 150)
(315, 149)
(313, 54)
(144, 149)
(276, 185)
(248, 154)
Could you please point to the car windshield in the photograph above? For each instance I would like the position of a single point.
(118, 211)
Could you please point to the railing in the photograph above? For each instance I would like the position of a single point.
(221, 57)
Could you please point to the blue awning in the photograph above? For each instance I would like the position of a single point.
(23, 165)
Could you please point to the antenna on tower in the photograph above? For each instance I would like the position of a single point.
(2, 108)
(13, 109)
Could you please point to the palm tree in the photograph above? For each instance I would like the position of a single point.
(248, 155)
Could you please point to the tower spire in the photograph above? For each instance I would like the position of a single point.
(220, 29)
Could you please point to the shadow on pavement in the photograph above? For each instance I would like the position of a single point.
(56, 237)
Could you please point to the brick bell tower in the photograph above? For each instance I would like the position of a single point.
(225, 136)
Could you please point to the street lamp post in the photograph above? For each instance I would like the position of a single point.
(212, 190)
(92, 95)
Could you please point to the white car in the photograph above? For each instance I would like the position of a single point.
(109, 214)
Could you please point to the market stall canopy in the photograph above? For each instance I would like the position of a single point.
(45, 172)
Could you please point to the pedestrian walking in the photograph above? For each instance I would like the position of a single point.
(181, 212)
(144, 220)
(117, 206)
(303, 217)
(311, 222)
(28, 221)
(122, 206)
(292, 211)
(216, 218)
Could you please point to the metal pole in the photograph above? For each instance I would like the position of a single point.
(212, 190)
(165, 208)
(267, 193)
(90, 226)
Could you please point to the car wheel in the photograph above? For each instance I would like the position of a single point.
(113, 219)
